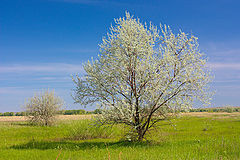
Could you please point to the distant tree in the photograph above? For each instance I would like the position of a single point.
(89, 112)
(20, 114)
(97, 111)
(42, 108)
(74, 112)
(142, 74)
(67, 112)
(81, 111)
(8, 114)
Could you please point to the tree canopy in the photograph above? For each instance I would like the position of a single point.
(142, 74)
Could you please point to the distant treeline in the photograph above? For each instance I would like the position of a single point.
(62, 112)
(12, 114)
(98, 111)
(79, 111)
(219, 109)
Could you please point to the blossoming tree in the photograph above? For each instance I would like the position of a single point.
(143, 74)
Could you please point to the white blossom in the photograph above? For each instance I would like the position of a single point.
(142, 74)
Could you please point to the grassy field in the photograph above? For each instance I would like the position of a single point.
(213, 136)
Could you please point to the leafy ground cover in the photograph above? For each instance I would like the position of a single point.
(188, 137)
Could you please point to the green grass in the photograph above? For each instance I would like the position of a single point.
(189, 138)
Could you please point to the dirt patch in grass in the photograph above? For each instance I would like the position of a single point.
(74, 117)
(60, 117)
(213, 114)
(12, 118)
(79, 117)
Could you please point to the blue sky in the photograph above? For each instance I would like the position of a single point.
(43, 42)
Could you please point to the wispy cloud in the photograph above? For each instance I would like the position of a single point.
(231, 55)
(223, 66)
(227, 51)
(12, 90)
(227, 81)
(48, 67)
(50, 50)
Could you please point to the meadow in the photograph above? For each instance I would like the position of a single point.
(210, 136)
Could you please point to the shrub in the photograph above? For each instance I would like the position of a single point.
(20, 114)
(41, 109)
(237, 109)
(229, 110)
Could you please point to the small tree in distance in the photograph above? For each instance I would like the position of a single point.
(42, 108)
(142, 74)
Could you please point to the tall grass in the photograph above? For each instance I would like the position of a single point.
(86, 129)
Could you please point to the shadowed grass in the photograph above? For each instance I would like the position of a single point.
(69, 145)
(85, 129)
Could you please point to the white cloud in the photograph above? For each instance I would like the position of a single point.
(48, 67)
(12, 90)
(227, 51)
(231, 66)
(51, 50)
(227, 81)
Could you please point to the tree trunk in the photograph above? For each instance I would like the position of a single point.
(140, 134)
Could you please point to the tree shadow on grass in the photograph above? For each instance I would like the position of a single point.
(20, 124)
(69, 145)
(87, 145)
